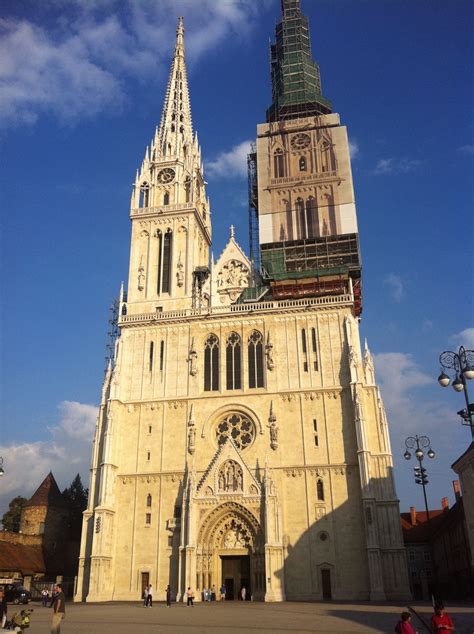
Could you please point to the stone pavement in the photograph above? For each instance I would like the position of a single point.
(230, 617)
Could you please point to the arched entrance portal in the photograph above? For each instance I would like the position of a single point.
(230, 552)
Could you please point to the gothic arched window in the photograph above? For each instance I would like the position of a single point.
(311, 219)
(320, 490)
(278, 164)
(302, 164)
(301, 218)
(148, 500)
(255, 352)
(164, 262)
(233, 362)
(187, 189)
(211, 364)
(166, 199)
(144, 195)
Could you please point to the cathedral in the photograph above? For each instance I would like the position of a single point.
(242, 439)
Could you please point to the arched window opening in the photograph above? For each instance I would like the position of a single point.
(326, 157)
(187, 189)
(305, 350)
(302, 164)
(320, 490)
(173, 127)
(301, 218)
(211, 364)
(173, 116)
(255, 354)
(164, 262)
(144, 195)
(278, 164)
(150, 356)
(166, 199)
(148, 501)
(315, 349)
(311, 219)
(233, 362)
(181, 129)
(162, 354)
(185, 151)
(181, 118)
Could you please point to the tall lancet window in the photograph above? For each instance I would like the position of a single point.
(144, 195)
(278, 164)
(164, 261)
(187, 189)
(255, 351)
(211, 364)
(233, 362)
(301, 218)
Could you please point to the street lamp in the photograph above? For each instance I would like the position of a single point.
(419, 443)
(462, 362)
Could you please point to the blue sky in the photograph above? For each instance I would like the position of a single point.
(81, 90)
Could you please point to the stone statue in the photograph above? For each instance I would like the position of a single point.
(269, 353)
(141, 275)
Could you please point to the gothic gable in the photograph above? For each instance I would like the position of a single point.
(230, 275)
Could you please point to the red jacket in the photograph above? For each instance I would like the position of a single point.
(440, 622)
(403, 627)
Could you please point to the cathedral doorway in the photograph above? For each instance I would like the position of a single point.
(235, 576)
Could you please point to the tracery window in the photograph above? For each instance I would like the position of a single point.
(211, 364)
(230, 477)
(164, 262)
(238, 427)
(255, 355)
(278, 164)
(320, 490)
(144, 195)
(233, 362)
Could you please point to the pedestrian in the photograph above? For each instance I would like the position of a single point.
(209, 594)
(404, 625)
(204, 595)
(59, 609)
(190, 595)
(3, 606)
(243, 592)
(222, 591)
(441, 622)
(149, 599)
(44, 597)
(213, 593)
(145, 596)
(168, 596)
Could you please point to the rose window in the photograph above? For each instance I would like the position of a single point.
(239, 428)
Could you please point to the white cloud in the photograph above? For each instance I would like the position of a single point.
(231, 164)
(65, 453)
(395, 286)
(353, 149)
(395, 166)
(464, 338)
(466, 149)
(427, 325)
(79, 65)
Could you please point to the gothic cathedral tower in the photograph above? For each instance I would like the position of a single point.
(242, 440)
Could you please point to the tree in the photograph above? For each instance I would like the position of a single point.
(11, 519)
(76, 497)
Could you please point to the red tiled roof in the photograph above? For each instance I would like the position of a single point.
(423, 529)
(18, 557)
(47, 494)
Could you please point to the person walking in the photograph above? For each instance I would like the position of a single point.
(213, 593)
(222, 591)
(243, 592)
(59, 609)
(44, 597)
(3, 607)
(168, 596)
(441, 622)
(149, 599)
(190, 596)
(145, 596)
(404, 625)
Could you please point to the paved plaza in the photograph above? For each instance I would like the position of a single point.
(216, 617)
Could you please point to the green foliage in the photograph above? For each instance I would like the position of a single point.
(11, 519)
(76, 497)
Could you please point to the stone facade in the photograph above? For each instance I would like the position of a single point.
(237, 443)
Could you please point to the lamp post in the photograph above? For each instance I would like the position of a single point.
(419, 443)
(462, 362)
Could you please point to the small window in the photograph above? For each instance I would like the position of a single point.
(148, 500)
(149, 429)
(148, 455)
(150, 359)
(315, 427)
(148, 519)
(166, 199)
(315, 349)
(320, 490)
(305, 351)
(162, 354)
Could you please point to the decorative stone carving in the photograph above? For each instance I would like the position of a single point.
(238, 427)
(192, 359)
(272, 423)
(180, 272)
(269, 353)
(230, 477)
(141, 275)
(191, 432)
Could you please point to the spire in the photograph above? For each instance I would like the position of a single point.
(291, 58)
(176, 128)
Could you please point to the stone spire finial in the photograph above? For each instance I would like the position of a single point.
(232, 232)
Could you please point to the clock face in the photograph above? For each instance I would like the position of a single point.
(300, 141)
(166, 175)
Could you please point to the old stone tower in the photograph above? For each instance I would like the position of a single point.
(242, 439)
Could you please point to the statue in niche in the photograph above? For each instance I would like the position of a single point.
(141, 275)
(357, 408)
(191, 439)
(192, 359)
(221, 482)
(180, 274)
(230, 477)
(269, 353)
(273, 435)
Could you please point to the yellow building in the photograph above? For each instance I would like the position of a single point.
(242, 439)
